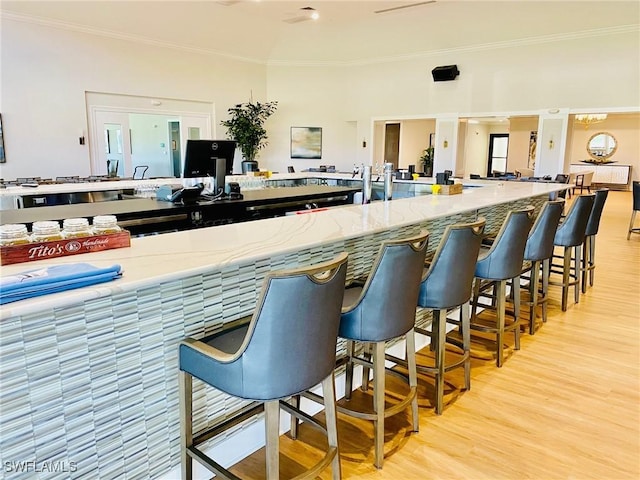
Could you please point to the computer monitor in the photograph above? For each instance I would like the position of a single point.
(201, 155)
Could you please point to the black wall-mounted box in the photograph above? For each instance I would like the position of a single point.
(445, 73)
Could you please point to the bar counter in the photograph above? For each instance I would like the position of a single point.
(89, 376)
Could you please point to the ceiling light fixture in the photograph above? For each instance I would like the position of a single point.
(590, 118)
(308, 13)
(312, 12)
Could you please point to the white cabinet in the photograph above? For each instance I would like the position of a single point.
(608, 174)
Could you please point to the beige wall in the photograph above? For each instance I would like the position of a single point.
(414, 138)
(626, 130)
(520, 129)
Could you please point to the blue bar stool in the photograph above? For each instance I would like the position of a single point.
(570, 236)
(501, 263)
(589, 245)
(384, 308)
(537, 255)
(447, 284)
(288, 346)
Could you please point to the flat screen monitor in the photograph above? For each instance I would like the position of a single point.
(201, 156)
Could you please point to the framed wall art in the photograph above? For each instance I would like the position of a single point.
(306, 142)
(533, 145)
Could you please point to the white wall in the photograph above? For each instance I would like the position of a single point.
(309, 97)
(46, 71)
(522, 78)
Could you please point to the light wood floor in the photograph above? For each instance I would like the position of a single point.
(566, 406)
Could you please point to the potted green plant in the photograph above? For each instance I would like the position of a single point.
(427, 161)
(246, 126)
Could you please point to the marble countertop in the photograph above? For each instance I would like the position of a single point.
(47, 189)
(155, 259)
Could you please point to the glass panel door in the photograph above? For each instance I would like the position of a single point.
(498, 148)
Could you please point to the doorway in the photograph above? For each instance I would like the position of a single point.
(126, 133)
(497, 158)
(392, 144)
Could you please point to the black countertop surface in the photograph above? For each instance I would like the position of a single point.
(149, 208)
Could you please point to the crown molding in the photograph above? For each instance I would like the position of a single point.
(74, 27)
(599, 32)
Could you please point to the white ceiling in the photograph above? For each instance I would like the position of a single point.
(347, 31)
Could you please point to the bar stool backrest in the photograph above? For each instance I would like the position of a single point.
(504, 258)
(571, 231)
(636, 195)
(540, 242)
(596, 211)
(290, 344)
(386, 307)
(449, 280)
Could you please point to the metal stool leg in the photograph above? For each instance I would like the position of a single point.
(272, 426)
(295, 403)
(466, 343)
(329, 394)
(439, 356)
(631, 223)
(378, 402)
(546, 271)
(348, 379)
(566, 272)
(476, 295)
(534, 285)
(578, 271)
(586, 263)
(186, 425)
(365, 370)
(592, 259)
(410, 341)
(500, 288)
(515, 292)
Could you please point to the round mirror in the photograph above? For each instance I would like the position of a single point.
(601, 146)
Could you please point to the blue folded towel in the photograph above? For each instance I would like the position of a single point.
(58, 278)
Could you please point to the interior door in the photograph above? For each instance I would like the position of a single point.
(112, 144)
(498, 148)
(392, 143)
